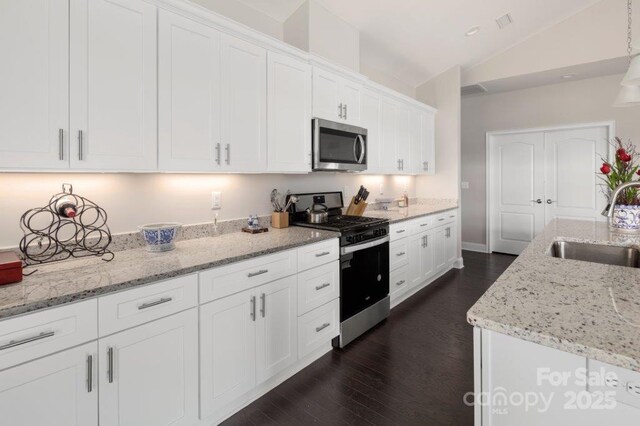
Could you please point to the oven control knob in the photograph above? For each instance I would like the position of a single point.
(379, 277)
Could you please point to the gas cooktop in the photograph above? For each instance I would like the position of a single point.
(341, 223)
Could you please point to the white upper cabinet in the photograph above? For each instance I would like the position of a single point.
(288, 114)
(244, 106)
(335, 98)
(34, 84)
(403, 144)
(188, 95)
(422, 142)
(371, 115)
(389, 132)
(113, 85)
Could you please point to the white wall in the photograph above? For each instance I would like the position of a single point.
(595, 34)
(135, 199)
(554, 105)
(388, 81)
(244, 14)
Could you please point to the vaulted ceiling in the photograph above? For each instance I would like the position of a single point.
(414, 40)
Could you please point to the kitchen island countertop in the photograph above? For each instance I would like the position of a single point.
(588, 309)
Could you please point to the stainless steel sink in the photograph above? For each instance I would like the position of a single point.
(597, 253)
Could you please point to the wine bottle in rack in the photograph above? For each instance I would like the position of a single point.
(66, 207)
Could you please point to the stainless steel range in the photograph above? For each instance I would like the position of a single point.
(364, 262)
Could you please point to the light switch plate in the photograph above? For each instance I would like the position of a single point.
(465, 185)
(216, 200)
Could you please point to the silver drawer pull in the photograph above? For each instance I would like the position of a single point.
(321, 286)
(441, 219)
(399, 283)
(260, 272)
(424, 224)
(453, 215)
(400, 254)
(157, 302)
(14, 343)
(400, 231)
(322, 327)
(324, 253)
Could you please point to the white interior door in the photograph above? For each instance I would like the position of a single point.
(571, 185)
(517, 183)
(34, 84)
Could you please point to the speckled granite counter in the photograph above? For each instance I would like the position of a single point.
(424, 208)
(584, 308)
(68, 281)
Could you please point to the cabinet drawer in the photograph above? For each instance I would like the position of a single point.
(398, 254)
(41, 333)
(446, 217)
(129, 308)
(318, 254)
(318, 286)
(421, 224)
(240, 276)
(399, 282)
(399, 230)
(318, 327)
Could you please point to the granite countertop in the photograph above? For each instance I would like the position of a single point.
(585, 308)
(67, 281)
(413, 211)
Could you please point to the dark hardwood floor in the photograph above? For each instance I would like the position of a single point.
(413, 369)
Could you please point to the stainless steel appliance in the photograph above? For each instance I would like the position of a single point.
(338, 147)
(364, 263)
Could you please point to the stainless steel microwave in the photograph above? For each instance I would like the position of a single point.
(338, 147)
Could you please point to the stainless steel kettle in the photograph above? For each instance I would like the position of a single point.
(315, 215)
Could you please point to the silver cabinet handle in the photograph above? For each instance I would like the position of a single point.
(321, 286)
(110, 365)
(549, 201)
(322, 327)
(424, 224)
(441, 219)
(400, 254)
(399, 164)
(345, 111)
(227, 150)
(80, 153)
(324, 253)
(14, 343)
(340, 110)
(400, 231)
(218, 154)
(253, 308)
(260, 272)
(263, 304)
(399, 283)
(426, 241)
(422, 239)
(539, 201)
(448, 232)
(90, 373)
(155, 303)
(61, 144)
(427, 169)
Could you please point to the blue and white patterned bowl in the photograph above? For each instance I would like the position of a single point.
(160, 236)
(626, 218)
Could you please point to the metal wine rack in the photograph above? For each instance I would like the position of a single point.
(51, 237)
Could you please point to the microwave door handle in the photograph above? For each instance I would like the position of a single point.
(363, 149)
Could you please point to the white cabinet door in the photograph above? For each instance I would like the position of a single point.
(350, 97)
(451, 243)
(188, 94)
(57, 390)
(244, 106)
(403, 142)
(34, 84)
(389, 132)
(149, 374)
(416, 247)
(326, 95)
(113, 85)
(427, 143)
(427, 256)
(371, 121)
(439, 259)
(227, 350)
(288, 114)
(277, 327)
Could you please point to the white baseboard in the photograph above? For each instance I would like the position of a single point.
(482, 248)
(458, 263)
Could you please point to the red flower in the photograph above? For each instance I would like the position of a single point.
(606, 169)
(626, 158)
(638, 172)
(621, 153)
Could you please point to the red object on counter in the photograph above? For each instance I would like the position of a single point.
(10, 268)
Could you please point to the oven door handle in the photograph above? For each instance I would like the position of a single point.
(364, 246)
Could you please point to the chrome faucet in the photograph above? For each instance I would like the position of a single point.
(608, 211)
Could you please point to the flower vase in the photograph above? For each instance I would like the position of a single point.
(625, 218)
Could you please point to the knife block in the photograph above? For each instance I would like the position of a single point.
(356, 209)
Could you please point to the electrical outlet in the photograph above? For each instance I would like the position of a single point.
(465, 185)
(216, 200)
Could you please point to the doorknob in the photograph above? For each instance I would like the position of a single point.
(549, 201)
(539, 201)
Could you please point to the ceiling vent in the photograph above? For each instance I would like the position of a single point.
(473, 89)
(504, 21)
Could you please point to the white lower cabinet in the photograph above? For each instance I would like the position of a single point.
(149, 374)
(318, 327)
(57, 390)
(439, 260)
